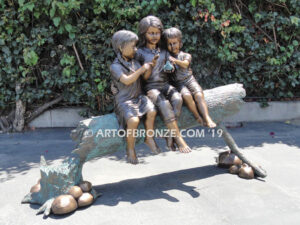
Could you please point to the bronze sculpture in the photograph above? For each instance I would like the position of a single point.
(56, 180)
(130, 103)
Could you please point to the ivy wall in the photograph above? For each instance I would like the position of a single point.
(253, 42)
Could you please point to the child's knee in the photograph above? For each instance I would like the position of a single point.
(151, 114)
(166, 110)
(187, 97)
(133, 122)
(199, 95)
(153, 95)
(176, 99)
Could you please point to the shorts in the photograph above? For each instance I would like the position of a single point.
(188, 86)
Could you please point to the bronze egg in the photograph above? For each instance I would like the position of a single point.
(234, 169)
(246, 172)
(64, 204)
(85, 186)
(75, 191)
(85, 199)
(227, 159)
(35, 188)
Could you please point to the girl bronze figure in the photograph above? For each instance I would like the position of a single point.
(161, 93)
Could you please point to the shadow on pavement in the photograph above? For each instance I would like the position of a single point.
(154, 187)
(149, 188)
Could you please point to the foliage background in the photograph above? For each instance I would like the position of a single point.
(253, 42)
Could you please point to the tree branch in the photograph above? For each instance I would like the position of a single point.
(275, 39)
(41, 109)
(283, 6)
(77, 56)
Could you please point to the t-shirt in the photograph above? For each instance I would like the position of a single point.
(182, 73)
(158, 77)
(125, 92)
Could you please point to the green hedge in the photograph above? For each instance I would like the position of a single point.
(252, 42)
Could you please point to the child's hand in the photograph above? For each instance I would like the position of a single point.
(113, 89)
(147, 66)
(172, 59)
(154, 60)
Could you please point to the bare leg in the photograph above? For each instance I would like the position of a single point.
(189, 101)
(132, 125)
(166, 110)
(201, 104)
(149, 125)
(176, 102)
(171, 143)
(182, 146)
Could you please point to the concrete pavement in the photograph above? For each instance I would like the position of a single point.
(170, 188)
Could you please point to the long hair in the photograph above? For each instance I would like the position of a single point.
(145, 23)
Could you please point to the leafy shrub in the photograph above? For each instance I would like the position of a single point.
(252, 42)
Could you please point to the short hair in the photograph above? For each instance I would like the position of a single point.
(121, 38)
(145, 23)
(172, 32)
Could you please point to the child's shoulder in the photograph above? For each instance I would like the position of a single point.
(184, 55)
(115, 64)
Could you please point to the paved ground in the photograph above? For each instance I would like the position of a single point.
(170, 188)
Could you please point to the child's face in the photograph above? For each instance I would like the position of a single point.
(153, 35)
(173, 45)
(129, 50)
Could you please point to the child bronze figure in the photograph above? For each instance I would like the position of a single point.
(130, 103)
(184, 80)
(162, 94)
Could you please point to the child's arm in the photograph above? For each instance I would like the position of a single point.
(182, 63)
(149, 71)
(117, 73)
(129, 79)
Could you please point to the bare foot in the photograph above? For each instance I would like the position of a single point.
(200, 121)
(185, 149)
(182, 146)
(131, 156)
(152, 145)
(171, 143)
(210, 123)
